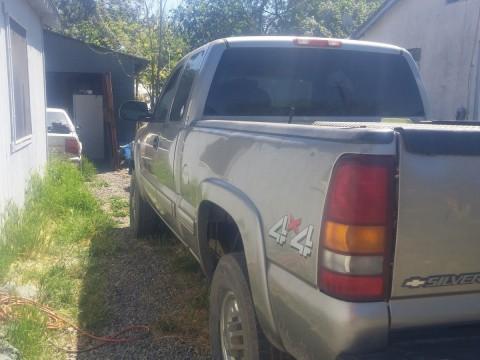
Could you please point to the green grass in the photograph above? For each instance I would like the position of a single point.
(119, 206)
(54, 242)
(100, 183)
(56, 287)
(59, 210)
(87, 169)
(27, 333)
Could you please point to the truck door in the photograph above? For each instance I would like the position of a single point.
(170, 128)
(184, 211)
(159, 147)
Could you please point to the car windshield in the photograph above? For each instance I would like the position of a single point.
(57, 122)
(313, 82)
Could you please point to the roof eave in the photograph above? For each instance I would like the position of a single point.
(141, 63)
(387, 5)
(46, 11)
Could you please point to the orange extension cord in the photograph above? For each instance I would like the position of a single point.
(57, 322)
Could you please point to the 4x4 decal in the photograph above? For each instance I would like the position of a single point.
(302, 241)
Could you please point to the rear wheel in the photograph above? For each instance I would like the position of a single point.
(143, 219)
(234, 331)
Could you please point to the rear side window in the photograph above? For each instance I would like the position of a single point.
(185, 86)
(163, 106)
(57, 122)
(313, 82)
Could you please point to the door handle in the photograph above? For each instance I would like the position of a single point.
(156, 142)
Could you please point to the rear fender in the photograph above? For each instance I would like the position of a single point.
(249, 223)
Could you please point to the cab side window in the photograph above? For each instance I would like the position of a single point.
(163, 106)
(192, 68)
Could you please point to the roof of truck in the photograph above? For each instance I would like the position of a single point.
(290, 41)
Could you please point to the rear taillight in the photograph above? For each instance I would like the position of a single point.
(72, 146)
(357, 229)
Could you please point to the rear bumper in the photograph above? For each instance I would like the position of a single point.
(75, 160)
(313, 325)
(463, 349)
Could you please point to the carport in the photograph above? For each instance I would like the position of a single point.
(90, 83)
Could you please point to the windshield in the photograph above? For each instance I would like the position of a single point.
(313, 82)
(57, 122)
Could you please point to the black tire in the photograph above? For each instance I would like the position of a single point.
(143, 219)
(231, 277)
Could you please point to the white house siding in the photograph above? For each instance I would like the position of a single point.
(448, 35)
(16, 165)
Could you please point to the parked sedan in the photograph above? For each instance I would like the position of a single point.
(62, 137)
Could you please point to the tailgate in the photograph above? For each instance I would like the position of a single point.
(437, 247)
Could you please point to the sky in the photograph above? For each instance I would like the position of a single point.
(171, 4)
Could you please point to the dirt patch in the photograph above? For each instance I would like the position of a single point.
(154, 282)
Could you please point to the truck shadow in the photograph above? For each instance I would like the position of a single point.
(153, 282)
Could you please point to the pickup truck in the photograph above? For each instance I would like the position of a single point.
(334, 219)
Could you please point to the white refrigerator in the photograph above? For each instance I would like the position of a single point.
(88, 116)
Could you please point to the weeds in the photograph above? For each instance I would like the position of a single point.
(47, 243)
(62, 243)
(119, 206)
(56, 287)
(59, 209)
(26, 332)
(87, 169)
(100, 183)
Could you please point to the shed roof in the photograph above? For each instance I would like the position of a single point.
(140, 63)
(386, 6)
(46, 11)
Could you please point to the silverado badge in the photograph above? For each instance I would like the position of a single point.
(442, 280)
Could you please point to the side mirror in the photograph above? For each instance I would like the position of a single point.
(135, 111)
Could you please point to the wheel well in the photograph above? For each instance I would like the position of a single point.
(218, 235)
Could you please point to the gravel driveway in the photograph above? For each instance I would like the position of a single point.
(145, 288)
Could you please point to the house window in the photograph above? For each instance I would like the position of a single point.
(20, 91)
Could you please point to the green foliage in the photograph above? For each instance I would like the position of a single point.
(119, 206)
(328, 18)
(58, 239)
(87, 169)
(199, 21)
(142, 27)
(137, 27)
(56, 287)
(59, 209)
(26, 332)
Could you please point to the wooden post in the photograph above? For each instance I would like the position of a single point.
(110, 119)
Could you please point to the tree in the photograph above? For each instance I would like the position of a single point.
(142, 27)
(200, 21)
(160, 46)
(137, 27)
(328, 18)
